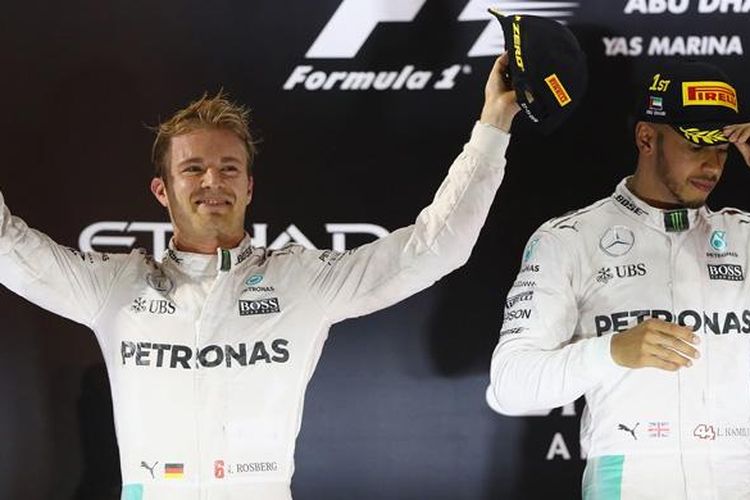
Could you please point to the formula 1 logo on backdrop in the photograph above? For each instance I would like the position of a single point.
(355, 21)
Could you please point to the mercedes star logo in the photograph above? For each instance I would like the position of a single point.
(617, 241)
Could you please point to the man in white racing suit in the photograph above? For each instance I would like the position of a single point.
(641, 302)
(209, 353)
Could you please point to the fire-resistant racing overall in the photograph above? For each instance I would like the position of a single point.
(209, 355)
(647, 433)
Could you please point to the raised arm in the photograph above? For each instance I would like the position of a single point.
(410, 259)
(60, 279)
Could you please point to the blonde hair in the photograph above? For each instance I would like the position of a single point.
(216, 112)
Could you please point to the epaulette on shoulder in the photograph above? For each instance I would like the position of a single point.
(733, 211)
(287, 249)
(741, 216)
(570, 219)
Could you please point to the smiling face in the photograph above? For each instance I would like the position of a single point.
(206, 189)
(673, 171)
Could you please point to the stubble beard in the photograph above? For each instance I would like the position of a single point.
(672, 185)
(197, 226)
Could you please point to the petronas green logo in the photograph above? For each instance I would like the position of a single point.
(530, 248)
(719, 241)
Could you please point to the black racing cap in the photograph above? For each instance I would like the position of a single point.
(695, 98)
(547, 68)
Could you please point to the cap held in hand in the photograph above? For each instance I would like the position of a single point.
(547, 68)
(696, 99)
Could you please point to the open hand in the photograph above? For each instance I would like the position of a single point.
(657, 344)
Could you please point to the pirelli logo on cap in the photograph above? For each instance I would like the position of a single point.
(517, 42)
(709, 94)
(556, 86)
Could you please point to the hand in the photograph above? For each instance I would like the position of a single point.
(739, 135)
(500, 104)
(655, 343)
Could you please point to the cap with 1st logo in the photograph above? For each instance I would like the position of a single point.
(695, 98)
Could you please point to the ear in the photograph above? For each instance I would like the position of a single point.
(250, 185)
(645, 138)
(160, 191)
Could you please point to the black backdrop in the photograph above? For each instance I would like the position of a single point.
(396, 408)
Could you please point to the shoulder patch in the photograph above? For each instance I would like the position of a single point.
(287, 249)
(733, 211)
(569, 219)
(738, 215)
